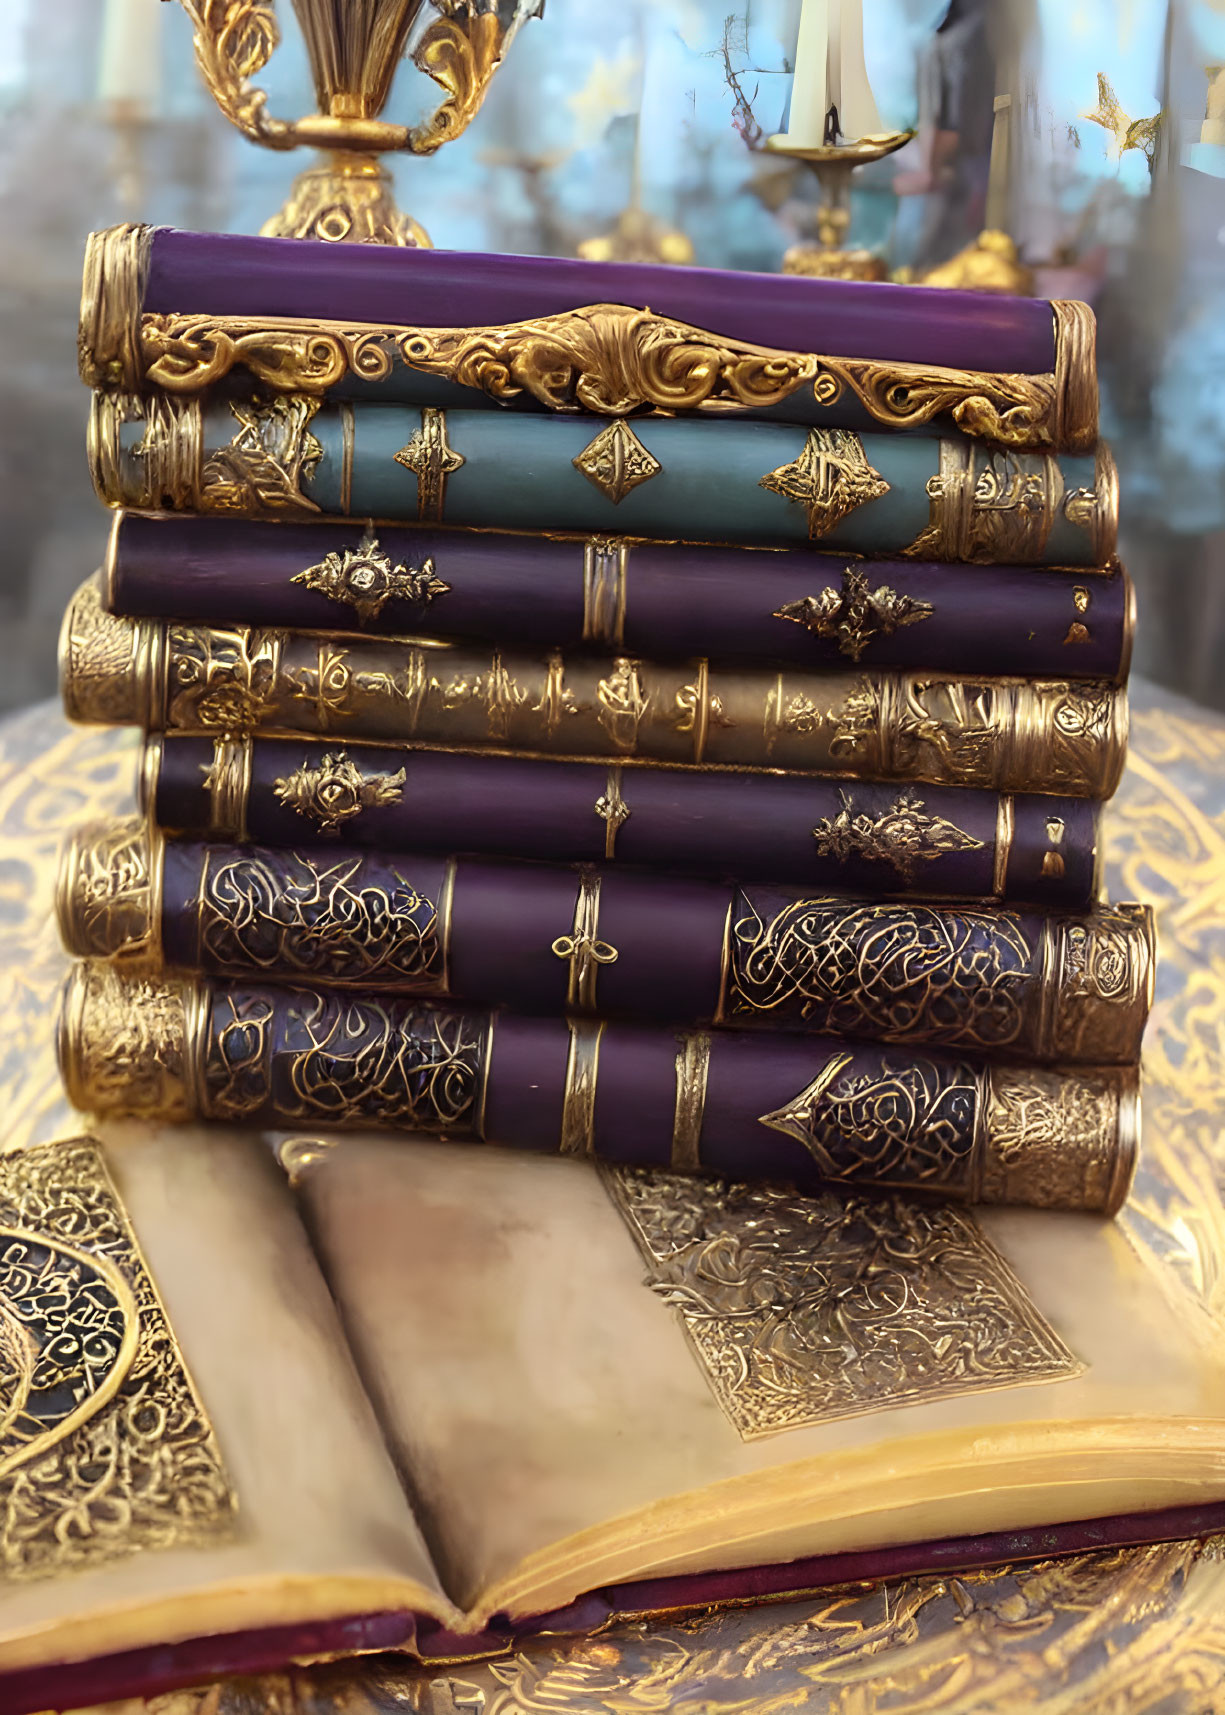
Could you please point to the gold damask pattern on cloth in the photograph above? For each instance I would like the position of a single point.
(1136, 1631)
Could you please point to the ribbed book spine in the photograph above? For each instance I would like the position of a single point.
(1011, 735)
(808, 1109)
(789, 608)
(541, 938)
(933, 842)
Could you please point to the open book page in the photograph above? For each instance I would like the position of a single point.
(224, 1471)
(595, 1376)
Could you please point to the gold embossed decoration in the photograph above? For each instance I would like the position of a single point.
(609, 359)
(268, 458)
(367, 579)
(616, 461)
(335, 791)
(105, 1448)
(829, 479)
(296, 917)
(855, 614)
(802, 1310)
(902, 836)
(432, 459)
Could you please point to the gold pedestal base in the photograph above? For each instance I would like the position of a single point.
(346, 199)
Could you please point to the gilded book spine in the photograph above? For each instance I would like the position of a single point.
(292, 458)
(943, 842)
(539, 333)
(801, 1108)
(789, 608)
(541, 938)
(1010, 735)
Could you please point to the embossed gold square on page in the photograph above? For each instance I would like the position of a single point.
(806, 1309)
(105, 1448)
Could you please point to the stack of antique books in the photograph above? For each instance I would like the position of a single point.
(758, 836)
(640, 714)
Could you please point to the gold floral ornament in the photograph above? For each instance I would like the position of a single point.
(336, 791)
(830, 478)
(901, 836)
(367, 579)
(354, 51)
(855, 614)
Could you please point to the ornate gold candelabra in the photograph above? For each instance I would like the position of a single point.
(354, 48)
(833, 164)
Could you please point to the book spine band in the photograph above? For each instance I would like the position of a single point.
(607, 357)
(763, 484)
(788, 608)
(541, 938)
(944, 842)
(1009, 735)
(805, 1109)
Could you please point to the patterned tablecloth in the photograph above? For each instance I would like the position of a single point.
(1114, 1632)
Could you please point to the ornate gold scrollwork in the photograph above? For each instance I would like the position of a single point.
(367, 579)
(610, 359)
(616, 462)
(108, 897)
(902, 836)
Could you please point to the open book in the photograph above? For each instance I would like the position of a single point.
(424, 1396)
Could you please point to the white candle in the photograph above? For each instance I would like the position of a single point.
(810, 84)
(129, 59)
(830, 72)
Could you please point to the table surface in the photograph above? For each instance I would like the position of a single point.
(1113, 1632)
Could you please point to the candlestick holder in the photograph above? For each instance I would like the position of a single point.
(834, 164)
(354, 47)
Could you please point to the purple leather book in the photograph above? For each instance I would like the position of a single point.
(787, 607)
(542, 938)
(179, 311)
(944, 842)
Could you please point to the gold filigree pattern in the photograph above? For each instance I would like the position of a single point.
(1069, 1141)
(105, 1447)
(829, 479)
(128, 1045)
(221, 681)
(616, 462)
(432, 459)
(108, 895)
(346, 1060)
(287, 914)
(803, 1310)
(335, 791)
(902, 836)
(367, 579)
(897, 973)
(855, 614)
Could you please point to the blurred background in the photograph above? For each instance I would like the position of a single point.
(1091, 131)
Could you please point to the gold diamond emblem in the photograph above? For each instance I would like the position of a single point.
(830, 478)
(616, 461)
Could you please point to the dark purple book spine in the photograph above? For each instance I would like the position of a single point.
(788, 607)
(229, 274)
(932, 841)
(805, 1108)
(542, 938)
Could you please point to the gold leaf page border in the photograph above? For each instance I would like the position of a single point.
(142, 1469)
(804, 1310)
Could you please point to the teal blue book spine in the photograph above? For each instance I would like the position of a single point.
(768, 484)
